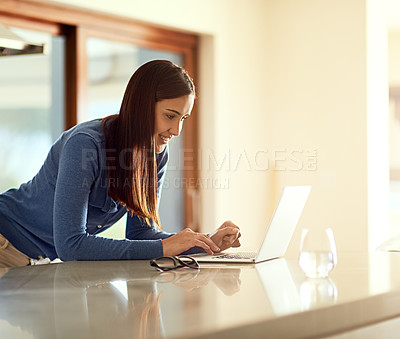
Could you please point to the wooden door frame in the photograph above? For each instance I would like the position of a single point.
(77, 25)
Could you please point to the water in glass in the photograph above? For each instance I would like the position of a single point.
(317, 253)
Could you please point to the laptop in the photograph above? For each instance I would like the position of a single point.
(278, 234)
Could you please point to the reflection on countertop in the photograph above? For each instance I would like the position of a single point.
(228, 281)
(98, 299)
(119, 299)
(288, 290)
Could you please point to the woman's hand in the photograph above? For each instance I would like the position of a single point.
(226, 236)
(187, 239)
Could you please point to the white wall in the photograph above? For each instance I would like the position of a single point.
(377, 124)
(278, 78)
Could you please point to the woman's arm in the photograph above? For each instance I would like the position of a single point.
(137, 229)
(72, 242)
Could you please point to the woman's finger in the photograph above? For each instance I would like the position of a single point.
(204, 238)
(203, 245)
(236, 243)
(229, 238)
(230, 231)
(229, 224)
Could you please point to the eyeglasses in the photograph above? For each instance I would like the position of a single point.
(170, 263)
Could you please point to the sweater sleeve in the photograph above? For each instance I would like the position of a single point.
(137, 229)
(72, 241)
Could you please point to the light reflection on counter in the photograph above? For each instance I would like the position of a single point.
(102, 300)
(288, 290)
(110, 299)
(131, 299)
(81, 300)
(317, 292)
(228, 282)
(379, 272)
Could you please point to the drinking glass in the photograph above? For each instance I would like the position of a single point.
(317, 252)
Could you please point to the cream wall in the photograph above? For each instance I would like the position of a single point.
(316, 97)
(394, 57)
(394, 81)
(394, 149)
(279, 80)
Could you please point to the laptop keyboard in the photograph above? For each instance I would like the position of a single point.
(238, 255)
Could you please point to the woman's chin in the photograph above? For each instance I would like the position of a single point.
(160, 148)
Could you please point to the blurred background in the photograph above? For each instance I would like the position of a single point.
(290, 93)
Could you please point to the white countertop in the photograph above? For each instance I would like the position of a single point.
(121, 299)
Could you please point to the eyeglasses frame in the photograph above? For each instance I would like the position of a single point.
(177, 263)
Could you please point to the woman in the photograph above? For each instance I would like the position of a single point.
(98, 171)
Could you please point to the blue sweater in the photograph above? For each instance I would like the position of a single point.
(58, 213)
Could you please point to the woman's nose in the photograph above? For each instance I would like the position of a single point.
(176, 129)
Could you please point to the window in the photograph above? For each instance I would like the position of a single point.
(31, 107)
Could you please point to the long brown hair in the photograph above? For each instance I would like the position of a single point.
(132, 168)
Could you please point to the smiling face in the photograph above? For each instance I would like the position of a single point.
(169, 116)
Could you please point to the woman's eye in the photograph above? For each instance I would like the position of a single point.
(170, 116)
(184, 117)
